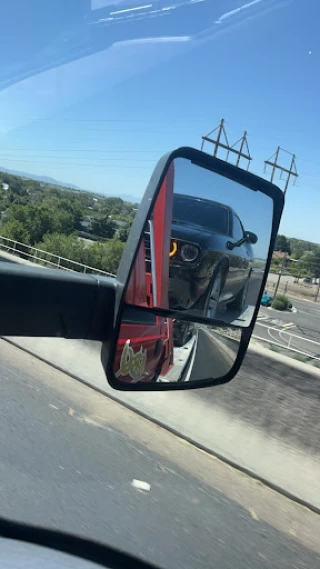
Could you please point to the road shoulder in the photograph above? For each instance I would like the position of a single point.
(195, 418)
(262, 503)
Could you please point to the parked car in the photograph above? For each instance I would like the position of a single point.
(266, 300)
(211, 256)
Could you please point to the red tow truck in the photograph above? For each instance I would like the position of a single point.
(145, 344)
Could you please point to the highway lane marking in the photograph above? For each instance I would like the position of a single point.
(253, 514)
(282, 325)
(276, 340)
(262, 317)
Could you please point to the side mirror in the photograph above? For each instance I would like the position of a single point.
(189, 300)
(180, 313)
(252, 237)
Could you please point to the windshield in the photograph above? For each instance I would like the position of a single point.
(211, 216)
(92, 94)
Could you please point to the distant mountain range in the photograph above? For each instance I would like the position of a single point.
(48, 180)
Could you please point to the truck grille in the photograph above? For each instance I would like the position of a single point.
(147, 251)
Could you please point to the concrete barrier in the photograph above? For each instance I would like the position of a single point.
(265, 421)
(10, 258)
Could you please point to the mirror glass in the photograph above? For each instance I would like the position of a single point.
(155, 349)
(204, 248)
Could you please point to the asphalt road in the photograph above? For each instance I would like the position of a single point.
(254, 287)
(68, 459)
(305, 323)
(307, 318)
(282, 403)
(291, 337)
(214, 357)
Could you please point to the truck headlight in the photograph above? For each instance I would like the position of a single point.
(189, 252)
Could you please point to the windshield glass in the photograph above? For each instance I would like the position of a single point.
(92, 94)
(211, 216)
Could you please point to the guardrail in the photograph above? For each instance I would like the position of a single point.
(286, 341)
(45, 258)
(53, 260)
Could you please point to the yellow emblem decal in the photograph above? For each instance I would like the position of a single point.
(132, 364)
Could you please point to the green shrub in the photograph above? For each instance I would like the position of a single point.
(278, 305)
(300, 358)
(284, 299)
(290, 305)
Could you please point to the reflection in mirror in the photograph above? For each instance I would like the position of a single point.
(153, 349)
(205, 246)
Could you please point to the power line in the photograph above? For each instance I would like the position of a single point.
(79, 150)
(31, 158)
(78, 165)
(134, 130)
(143, 121)
(151, 121)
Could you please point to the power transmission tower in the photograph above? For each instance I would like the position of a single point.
(221, 141)
(292, 171)
(273, 161)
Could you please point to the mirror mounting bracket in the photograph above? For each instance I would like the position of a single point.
(232, 246)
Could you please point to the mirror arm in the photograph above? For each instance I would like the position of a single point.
(40, 302)
(231, 245)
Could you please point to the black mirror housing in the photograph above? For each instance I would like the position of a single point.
(252, 237)
(129, 358)
(38, 302)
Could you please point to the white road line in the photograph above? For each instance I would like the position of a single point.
(289, 325)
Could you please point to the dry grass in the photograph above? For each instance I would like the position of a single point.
(300, 290)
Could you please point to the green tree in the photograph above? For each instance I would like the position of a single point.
(103, 227)
(283, 244)
(15, 230)
(105, 256)
(124, 233)
(112, 252)
(94, 256)
(63, 222)
(312, 263)
(58, 244)
(67, 246)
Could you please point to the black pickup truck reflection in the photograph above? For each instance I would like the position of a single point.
(211, 257)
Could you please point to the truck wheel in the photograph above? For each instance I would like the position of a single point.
(212, 302)
(239, 302)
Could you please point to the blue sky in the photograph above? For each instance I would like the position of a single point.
(93, 94)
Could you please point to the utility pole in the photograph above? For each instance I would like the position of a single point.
(318, 290)
(221, 141)
(273, 161)
(284, 258)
